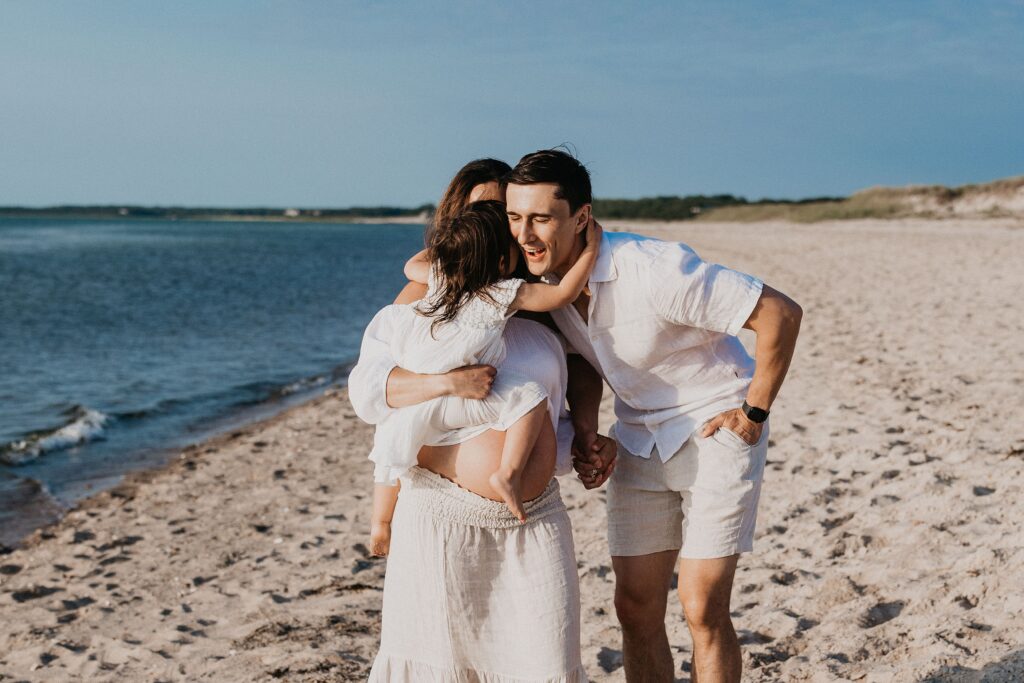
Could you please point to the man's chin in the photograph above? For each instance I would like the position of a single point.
(538, 268)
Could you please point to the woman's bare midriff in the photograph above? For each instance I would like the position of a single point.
(470, 464)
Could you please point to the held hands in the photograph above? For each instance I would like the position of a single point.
(593, 458)
(735, 421)
(380, 539)
(471, 381)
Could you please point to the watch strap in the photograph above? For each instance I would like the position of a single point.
(753, 414)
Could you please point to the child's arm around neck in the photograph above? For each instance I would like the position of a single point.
(541, 297)
(417, 269)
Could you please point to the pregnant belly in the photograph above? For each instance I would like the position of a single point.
(471, 463)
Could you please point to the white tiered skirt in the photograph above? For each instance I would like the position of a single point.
(472, 595)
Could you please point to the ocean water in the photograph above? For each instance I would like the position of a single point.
(121, 342)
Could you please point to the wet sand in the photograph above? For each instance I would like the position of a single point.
(889, 543)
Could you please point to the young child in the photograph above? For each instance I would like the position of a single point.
(460, 322)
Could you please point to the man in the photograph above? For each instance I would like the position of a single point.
(659, 325)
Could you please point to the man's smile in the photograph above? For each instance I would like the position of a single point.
(534, 253)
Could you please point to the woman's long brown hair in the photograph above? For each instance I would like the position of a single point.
(469, 252)
(456, 196)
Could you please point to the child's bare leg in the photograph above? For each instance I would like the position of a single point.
(384, 500)
(519, 442)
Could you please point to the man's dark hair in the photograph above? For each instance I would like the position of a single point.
(558, 167)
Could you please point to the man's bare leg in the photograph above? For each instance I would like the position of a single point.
(641, 597)
(705, 587)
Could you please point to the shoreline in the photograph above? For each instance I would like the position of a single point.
(888, 543)
(397, 220)
(236, 417)
(130, 481)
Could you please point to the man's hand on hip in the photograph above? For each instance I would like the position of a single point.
(735, 421)
(593, 458)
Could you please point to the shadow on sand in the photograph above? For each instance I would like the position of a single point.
(1009, 669)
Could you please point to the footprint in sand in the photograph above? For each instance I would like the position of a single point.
(34, 593)
(881, 613)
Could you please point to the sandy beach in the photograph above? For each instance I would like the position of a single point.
(889, 542)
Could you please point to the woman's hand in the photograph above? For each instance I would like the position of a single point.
(471, 381)
(380, 539)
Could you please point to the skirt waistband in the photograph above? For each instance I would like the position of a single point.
(432, 494)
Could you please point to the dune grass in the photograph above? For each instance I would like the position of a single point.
(875, 202)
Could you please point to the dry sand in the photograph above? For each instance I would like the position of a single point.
(889, 544)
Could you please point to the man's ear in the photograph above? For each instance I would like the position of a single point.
(582, 218)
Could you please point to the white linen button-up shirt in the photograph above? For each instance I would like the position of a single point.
(661, 331)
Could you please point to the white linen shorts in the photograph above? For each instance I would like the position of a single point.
(702, 501)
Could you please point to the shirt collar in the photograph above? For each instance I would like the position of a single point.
(604, 269)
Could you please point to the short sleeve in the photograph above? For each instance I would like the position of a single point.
(686, 290)
(504, 293)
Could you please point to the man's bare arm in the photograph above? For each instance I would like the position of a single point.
(593, 454)
(583, 394)
(776, 322)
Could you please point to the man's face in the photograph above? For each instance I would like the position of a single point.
(544, 228)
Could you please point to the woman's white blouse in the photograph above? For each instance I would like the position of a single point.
(531, 350)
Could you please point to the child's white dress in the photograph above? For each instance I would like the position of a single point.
(472, 338)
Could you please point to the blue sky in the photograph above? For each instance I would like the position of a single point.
(315, 103)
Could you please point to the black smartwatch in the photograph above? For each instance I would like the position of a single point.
(753, 414)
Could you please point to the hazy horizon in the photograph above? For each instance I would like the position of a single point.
(325, 104)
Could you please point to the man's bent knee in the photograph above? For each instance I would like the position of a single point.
(705, 588)
(704, 612)
(641, 590)
(640, 613)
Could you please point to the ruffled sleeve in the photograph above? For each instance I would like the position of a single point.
(504, 293)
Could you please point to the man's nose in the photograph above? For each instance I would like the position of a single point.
(525, 232)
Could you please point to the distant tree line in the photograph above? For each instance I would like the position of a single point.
(664, 208)
(674, 208)
(200, 213)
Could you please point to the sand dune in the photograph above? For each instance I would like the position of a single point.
(889, 544)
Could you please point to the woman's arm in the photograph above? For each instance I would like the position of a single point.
(417, 268)
(542, 297)
(405, 388)
(411, 293)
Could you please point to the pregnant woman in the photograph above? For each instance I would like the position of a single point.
(471, 593)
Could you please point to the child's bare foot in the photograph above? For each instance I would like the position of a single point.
(507, 486)
(380, 539)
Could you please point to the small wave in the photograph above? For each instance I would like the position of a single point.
(265, 391)
(83, 425)
(301, 385)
